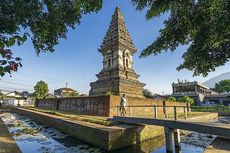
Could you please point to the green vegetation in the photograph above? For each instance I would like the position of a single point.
(45, 21)
(203, 25)
(223, 86)
(183, 99)
(147, 93)
(173, 99)
(186, 99)
(109, 93)
(1, 95)
(218, 108)
(41, 90)
(85, 118)
(8, 63)
(72, 94)
(29, 131)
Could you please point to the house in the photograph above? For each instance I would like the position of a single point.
(159, 97)
(219, 99)
(195, 90)
(65, 92)
(14, 98)
(202, 94)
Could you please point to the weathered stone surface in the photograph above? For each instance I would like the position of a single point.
(143, 111)
(106, 105)
(7, 143)
(104, 137)
(117, 75)
(107, 138)
(83, 105)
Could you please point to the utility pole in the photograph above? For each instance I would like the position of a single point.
(66, 84)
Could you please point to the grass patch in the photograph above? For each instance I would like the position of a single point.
(216, 109)
(85, 118)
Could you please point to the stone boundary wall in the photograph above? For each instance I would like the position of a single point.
(106, 105)
(144, 111)
(47, 103)
(224, 113)
(98, 106)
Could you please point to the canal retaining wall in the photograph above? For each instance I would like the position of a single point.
(104, 137)
(224, 113)
(7, 143)
(106, 105)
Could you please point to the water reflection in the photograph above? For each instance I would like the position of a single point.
(157, 145)
(34, 138)
(143, 147)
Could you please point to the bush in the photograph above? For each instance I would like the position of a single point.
(109, 93)
(186, 99)
(173, 99)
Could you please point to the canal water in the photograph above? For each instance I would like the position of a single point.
(35, 138)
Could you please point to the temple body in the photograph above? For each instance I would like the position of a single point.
(117, 75)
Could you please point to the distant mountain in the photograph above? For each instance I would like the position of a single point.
(211, 82)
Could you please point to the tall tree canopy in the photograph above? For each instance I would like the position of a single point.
(147, 93)
(46, 21)
(223, 86)
(41, 89)
(204, 25)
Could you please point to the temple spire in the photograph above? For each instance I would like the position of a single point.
(117, 34)
(117, 75)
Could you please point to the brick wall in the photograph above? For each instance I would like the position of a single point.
(47, 103)
(105, 105)
(141, 111)
(83, 105)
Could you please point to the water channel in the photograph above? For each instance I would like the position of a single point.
(35, 138)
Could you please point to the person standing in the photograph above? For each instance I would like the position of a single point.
(123, 105)
(0, 104)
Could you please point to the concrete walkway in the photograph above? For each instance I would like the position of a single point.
(219, 145)
(7, 143)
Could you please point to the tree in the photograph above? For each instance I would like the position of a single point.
(147, 93)
(186, 99)
(223, 86)
(46, 22)
(41, 90)
(173, 99)
(202, 25)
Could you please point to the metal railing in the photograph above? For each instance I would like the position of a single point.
(155, 110)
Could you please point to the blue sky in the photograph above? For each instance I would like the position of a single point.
(76, 59)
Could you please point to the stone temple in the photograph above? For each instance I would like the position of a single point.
(117, 75)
